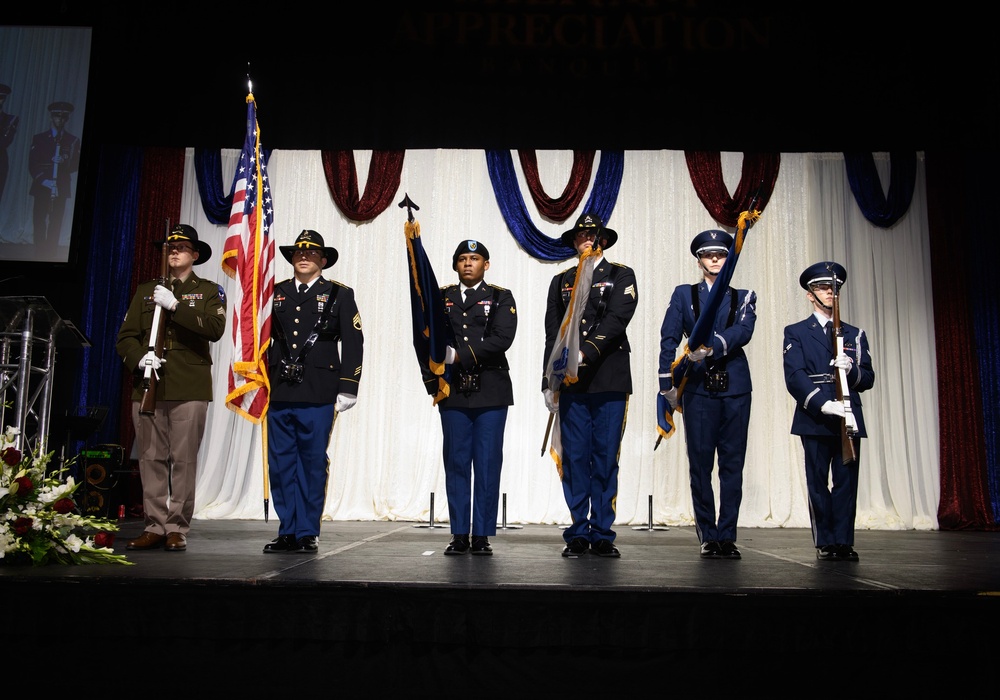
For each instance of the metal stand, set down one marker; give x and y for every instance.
(649, 523)
(431, 523)
(27, 324)
(503, 522)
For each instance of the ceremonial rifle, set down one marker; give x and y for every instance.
(848, 425)
(156, 336)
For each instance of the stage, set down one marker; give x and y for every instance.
(380, 609)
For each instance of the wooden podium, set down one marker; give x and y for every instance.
(30, 333)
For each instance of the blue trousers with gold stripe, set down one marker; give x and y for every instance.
(591, 428)
(473, 459)
(298, 465)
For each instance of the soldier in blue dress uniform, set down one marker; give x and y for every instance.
(592, 410)
(314, 362)
(483, 321)
(715, 402)
(812, 365)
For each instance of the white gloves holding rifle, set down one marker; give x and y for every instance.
(833, 408)
(843, 362)
(151, 360)
(164, 297)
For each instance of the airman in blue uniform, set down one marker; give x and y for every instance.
(715, 402)
(812, 366)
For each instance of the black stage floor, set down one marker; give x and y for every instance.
(380, 609)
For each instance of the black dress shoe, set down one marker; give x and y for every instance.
(847, 553)
(481, 545)
(828, 552)
(576, 547)
(308, 544)
(459, 545)
(605, 548)
(729, 549)
(711, 549)
(282, 544)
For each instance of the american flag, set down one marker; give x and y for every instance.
(249, 257)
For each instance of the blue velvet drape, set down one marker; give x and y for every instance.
(110, 257)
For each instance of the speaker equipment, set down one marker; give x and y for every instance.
(102, 465)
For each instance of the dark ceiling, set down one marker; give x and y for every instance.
(629, 74)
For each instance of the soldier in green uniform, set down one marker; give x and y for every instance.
(169, 438)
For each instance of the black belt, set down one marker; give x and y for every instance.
(822, 378)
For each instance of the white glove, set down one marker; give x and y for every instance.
(843, 362)
(345, 402)
(833, 408)
(700, 354)
(150, 359)
(551, 400)
(671, 396)
(450, 355)
(164, 297)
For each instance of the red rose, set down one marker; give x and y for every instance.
(63, 506)
(104, 539)
(24, 485)
(22, 525)
(12, 456)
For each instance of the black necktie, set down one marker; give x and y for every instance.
(302, 288)
(828, 328)
(468, 294)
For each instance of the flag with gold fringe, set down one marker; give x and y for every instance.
(430, 325)
(249, 257)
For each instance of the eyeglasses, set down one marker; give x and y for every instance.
(584, 235)
(179, 248)
(714, 254)
(307, 254)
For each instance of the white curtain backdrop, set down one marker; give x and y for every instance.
(385, 453)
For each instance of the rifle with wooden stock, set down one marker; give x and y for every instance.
(848, 425)
(157, 331)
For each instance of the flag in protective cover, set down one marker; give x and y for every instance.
(563, 364)
(249, 258)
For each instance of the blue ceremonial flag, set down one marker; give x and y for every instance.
(703, 326)
(430, 325)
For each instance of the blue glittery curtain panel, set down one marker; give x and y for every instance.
(867, 186)
(110, 258)
(603, 198)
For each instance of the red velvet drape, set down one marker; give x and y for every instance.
(964, 502)
(384, 174)
(159, 206)
(560, 208)
(760, 171)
